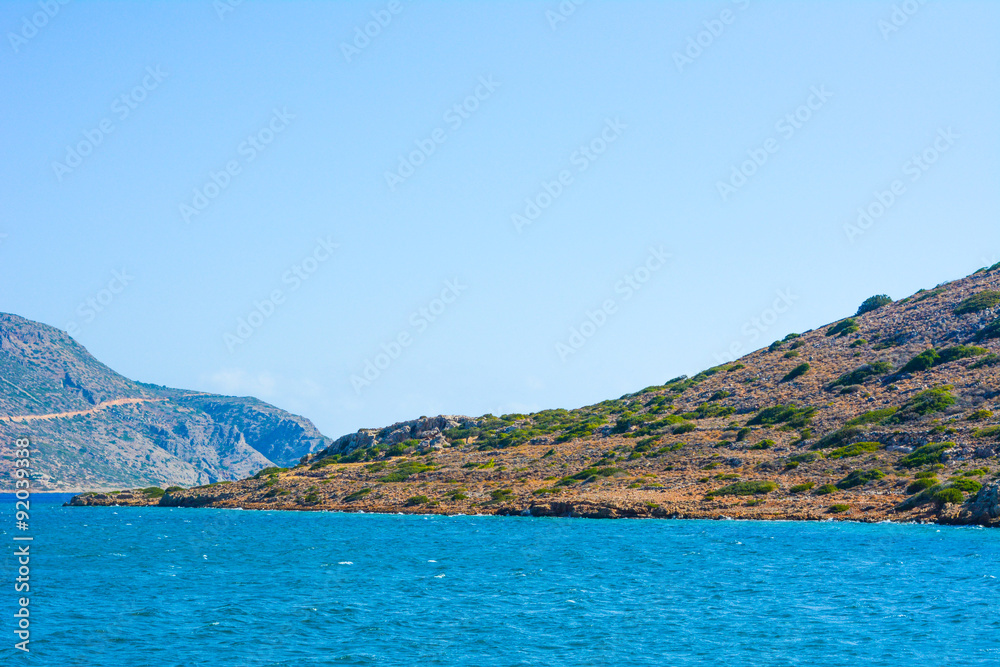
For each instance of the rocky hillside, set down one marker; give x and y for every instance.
(95, 429)
(892, 413)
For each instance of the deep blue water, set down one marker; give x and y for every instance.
(151, 586)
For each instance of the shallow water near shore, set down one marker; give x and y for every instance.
(160, 586)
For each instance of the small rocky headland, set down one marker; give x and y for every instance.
(891, 414)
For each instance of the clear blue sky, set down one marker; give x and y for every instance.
(659, 132)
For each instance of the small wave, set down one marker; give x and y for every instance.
(346, 562)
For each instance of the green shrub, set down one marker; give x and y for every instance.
(857, 449)
(988, 432)
(990, 331)
(874, 303)
(966, 485)
(776, 345)
(988, 361)
(743, 489)
(921, 484)
(839, 508)
(930, 453)
(416, 500)
(826, 490)
(982, 301)
(743, 433)
(171, 489)
(763, 444)
(153, 492)
(357, 495)
(859, 343)
(842, 328)
(266, 472)
(873, 416)
(861, 374)
(791, 354)
(957, 352)
(798, 371)
(928, 474)
(979, 415)
(925, 403)
(949, 496)
(501, 495)
(800, 488)
(838, 438)
(791, 415)
(807, 457)
(922, 362)
(684, 428)
(719, 395)
(859, 477)
(549, 453)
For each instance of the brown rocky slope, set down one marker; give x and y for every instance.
(891, 414)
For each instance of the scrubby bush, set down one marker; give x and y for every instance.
(501, 495)
(790, 414)
(687, 427)
(171, 489)
(796, 372)
(801, 488)
(982, 301)
(153, 492)
(873, 416)
(743, 433)
(844, 327)
(922, 362)
(859, 477)
(763, 444)
(949, 496)
(791, 354)
(990, 331)
(930, 453)
(857, 449)
(838, 438)
(719, 395)
(839, 508)
(874, 303)
(357, 495)
(925, 403)
(988, 432)
(921, 484)
(412, 501)
(966, 485)
(861, 374)
(826, 490)
(743, 489)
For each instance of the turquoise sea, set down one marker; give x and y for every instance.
(164, 587)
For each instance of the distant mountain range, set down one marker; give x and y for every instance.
(93, 428)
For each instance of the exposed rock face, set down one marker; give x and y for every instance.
(426, 429)
(983, 510)
(92, 428)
